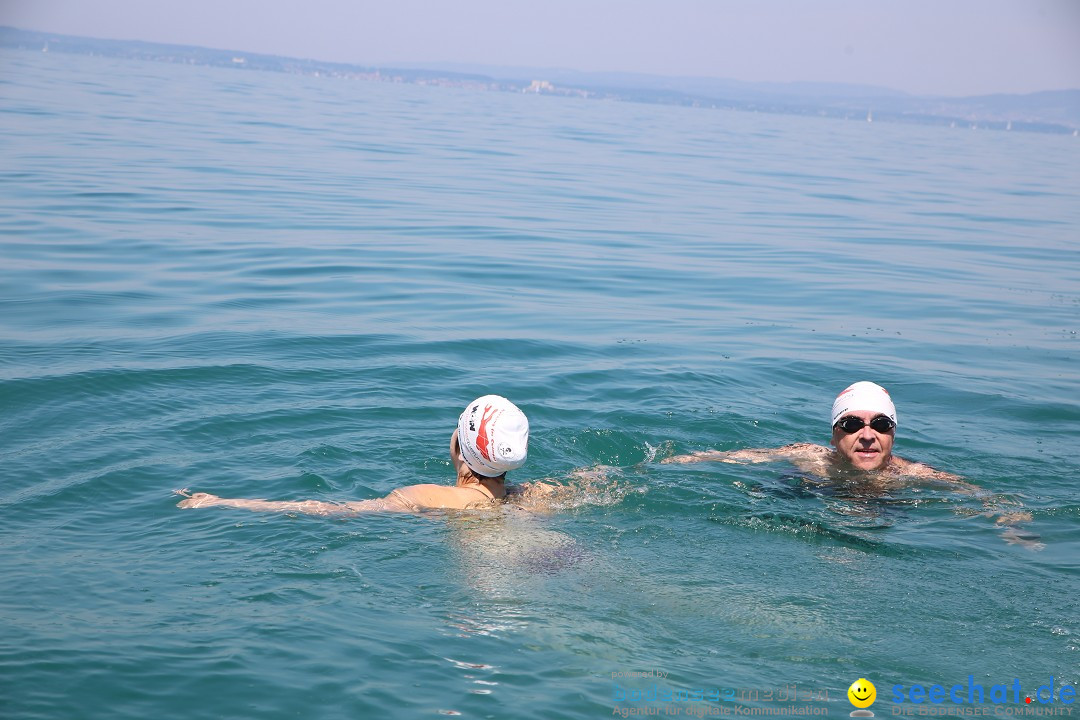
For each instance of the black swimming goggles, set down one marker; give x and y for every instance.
(852, 424)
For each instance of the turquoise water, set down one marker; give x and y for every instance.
(263, 285)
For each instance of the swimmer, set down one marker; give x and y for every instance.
(863, 431)
(492, 438)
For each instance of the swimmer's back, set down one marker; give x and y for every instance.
(420, 497)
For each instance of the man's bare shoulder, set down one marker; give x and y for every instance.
(922, 471)
(795, 451)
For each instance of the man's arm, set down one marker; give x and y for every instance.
(796, 451)
(1004, 511)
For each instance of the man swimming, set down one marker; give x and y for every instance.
(863, 431)
(492, 438)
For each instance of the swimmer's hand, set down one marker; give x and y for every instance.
(1026, 540)
(196, 500)
(1017, 536)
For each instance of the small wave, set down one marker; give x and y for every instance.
(804, 527)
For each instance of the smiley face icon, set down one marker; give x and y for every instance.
(862, 693)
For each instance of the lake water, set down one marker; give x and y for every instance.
(263, 285)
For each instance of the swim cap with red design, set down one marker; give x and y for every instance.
(493, 435)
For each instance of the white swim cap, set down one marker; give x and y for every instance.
(863, 396)
(493, 436)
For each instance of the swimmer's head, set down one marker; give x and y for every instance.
(492, 436)
(863, 396)
(864, 419)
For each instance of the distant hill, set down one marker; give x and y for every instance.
(705, 87)
(1051, 111)
(1054, 111)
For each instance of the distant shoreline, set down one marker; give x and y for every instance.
(1055, 112)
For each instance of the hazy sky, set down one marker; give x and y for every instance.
(947, 47)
